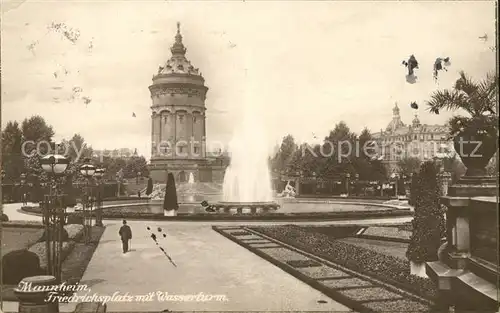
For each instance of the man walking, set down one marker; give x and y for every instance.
(125, 234)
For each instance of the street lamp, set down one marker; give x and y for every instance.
(357, 184)
(3, 176)
(99, 173)
(54, 213)
(87, 170)
(22, 187)
(347, 176)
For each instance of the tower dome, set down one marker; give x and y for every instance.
(178, 63)
(396, 120)
(416, 122)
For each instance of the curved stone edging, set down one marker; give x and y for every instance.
(302, 216)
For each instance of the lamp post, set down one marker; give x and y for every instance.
(54, 213)
(99, 173)
(357, 184)
(3, 176)
(22, 179)
(347, 176)
(87, 170)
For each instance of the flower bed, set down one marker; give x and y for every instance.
(385, 268)
(303, 263)
(387, 232)
(75, 231)
(41, 251)
(240, 233)
(334, 231)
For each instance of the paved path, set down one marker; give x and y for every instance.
(13, 211)
(207, 263)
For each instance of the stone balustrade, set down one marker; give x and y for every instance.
(468, 269)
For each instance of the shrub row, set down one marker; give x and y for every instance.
(23, 224)
(344, 198)
(40, 250)
(389, 269)
(115, 213)
(71, 232)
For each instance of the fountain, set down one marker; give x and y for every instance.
(247, 181)
(190, 192)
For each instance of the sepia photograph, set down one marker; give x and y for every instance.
(249, 156)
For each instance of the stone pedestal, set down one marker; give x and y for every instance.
(33, 301)
(170, 212)
(467, 273)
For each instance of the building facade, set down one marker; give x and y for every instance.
(418, 140)
(178, 121)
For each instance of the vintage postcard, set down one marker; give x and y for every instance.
(249, 156)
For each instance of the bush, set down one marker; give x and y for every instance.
(390, 269)
(5, 218)
(413, 189)
(19, 264)
(40, 250)
(428, 223)
(170, 201)
(149, 189)
(65, 236)
(75, 231)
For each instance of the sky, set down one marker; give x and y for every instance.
(299, 67)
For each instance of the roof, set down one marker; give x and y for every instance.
(178, 63)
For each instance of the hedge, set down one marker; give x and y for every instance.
(391, 270)
(41, 251)
(5, 218)
(23, 224)
(65, 236)
(19, 264)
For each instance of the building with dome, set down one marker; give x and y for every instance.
(422, 141)
(178, 122)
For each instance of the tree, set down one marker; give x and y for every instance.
(284, 155)
(37, 137)
(134, 165)
(170, 201)
(339, 149)
(428, 222)
(36, 129)
(149, 188)
(479, 100)
(12, 158)
(78, 150)
(408, 165)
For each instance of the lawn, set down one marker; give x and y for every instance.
(74, 265)
(390, 248)
(17, 238)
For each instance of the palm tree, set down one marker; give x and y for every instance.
(478, 99)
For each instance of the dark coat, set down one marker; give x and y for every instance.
(125, 232)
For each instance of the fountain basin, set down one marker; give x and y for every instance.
(261, 206)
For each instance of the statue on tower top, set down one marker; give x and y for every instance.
(178, 47)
